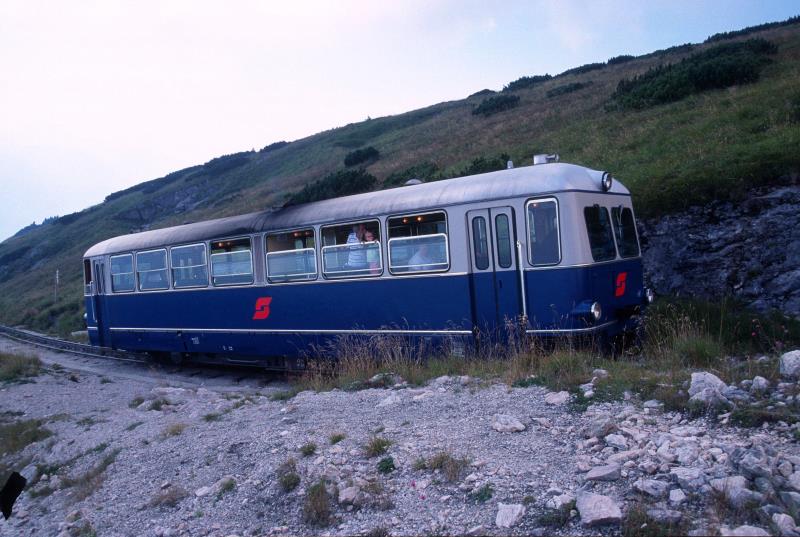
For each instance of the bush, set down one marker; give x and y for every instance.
(427, 171)
(225, 163)
(386, 465)
(341, 183)
(317, 507)
(288, 478)
(377, 446)
(526, 82)
(583, 69)
(15, 367)
(718, 67)
(567, 88)
(623, 58)
(750, 29)
(308, 449)
(496, 104)
(482, 93)
(361, 155)
(485, 165)
(274, 146)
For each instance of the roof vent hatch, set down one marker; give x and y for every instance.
(545, 159)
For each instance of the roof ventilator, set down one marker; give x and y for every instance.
(545, 159)
(510, 165)
(412, 182)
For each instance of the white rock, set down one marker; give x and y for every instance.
(677, 496)
(393, 399)
(542, 422)
(600, 373)
(506, 424)
(203, 491)
(556, 398)
(596, 509)
(651, 487)
(509, 515)
(617, 440)
(624, 456)
(348, 495)
(785, 525)
(790, 364)
(688, 478)
(794, 481)
(703, 380)
(561, 502)
(726, 484)
(423, 396)
(743, 531)
(760, 385)
(609, 472)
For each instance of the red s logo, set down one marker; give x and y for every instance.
(620, 288)
(262, 308)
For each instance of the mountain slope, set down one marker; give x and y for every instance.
(708, 145)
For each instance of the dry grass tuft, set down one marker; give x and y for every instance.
(451, 467)
(174, 430)
(170, 497)
(288, 478)
(317, 505)
(377, 445)
(17, 367)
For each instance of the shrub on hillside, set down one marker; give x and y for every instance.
(361, 155)
(274, 146)
(341, 183)
(583, 69)
(485, 165)
(225, 163)
(623, 58)
(751, 29)
(482, 93)
(526, 82)
(426, 171)
(567, 88)
(718, 67)
(493, 105)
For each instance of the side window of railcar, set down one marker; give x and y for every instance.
(231, 262)
(601, 238)
(189, 268)
(503, 236)
(291, 256)
(418, 243)
(544, 245)
(481, 243)
(352, 250)
(151, 270)
(625, 231)
(87, 277)
(122, 280)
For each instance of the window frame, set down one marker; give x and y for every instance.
(207, 265)
(475, 257)
(622, 208)
(446, 238)
(510, 242)
(252, 264)
(267, 253)
(528, 231)
(166, 269)
(112, 274)
(611, 228)
(321, 266)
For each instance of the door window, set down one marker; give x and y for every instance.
(503, 236)
(480, 243)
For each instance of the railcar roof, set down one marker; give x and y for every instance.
(517, 182)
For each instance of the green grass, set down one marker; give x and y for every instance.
(386, 465)
(377, 445)
(287, 475)
(17, 435)
(308, 449)
(710, 145)
(335, 438)
(317, 505)
(18, 367)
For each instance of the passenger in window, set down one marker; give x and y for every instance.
(422, 259)
(357, 257)
(373, 256)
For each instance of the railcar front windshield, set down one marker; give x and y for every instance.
(601, 238)
(544, 242)
(625, 231)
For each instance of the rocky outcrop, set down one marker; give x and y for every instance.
(749, 250)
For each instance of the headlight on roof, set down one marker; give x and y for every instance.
(606, 181)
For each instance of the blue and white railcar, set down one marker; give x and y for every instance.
(551, 248)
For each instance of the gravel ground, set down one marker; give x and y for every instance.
(205, 460)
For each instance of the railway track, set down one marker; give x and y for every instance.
(56, 344)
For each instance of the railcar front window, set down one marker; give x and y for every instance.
(122, 277)
(291, 256)
(625, 231)
(87, 277)
(231, 262)
(544, 244)
(418, 243)
(601, 238)
(151, 270)
(352, 250)
(503, 235)
(481, 243)
(189, 268)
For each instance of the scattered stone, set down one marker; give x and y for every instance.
(348, 495)
(688, 478)
(596, 509)
(759, 385)
(542, 422)
(677, 496)
(556, 398)
(203, 491)
(617, 441)
(562, 502)
(651, 487)
(392, 399)
(509, 515)
(790, 364)
(506, 424)
(653, 406)
(743, 531)
(785, 525)
(609, 472)
(705, 381)
(666, 517)
(600, 427)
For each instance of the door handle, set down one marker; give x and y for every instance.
(500, 283)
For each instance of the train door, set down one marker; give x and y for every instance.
(495, 282)
(97, 301)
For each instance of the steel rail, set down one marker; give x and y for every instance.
(73, 347)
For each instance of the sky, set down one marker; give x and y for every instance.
(97, 96)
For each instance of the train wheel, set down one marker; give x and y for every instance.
(176, 358)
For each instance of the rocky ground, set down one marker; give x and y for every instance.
(136, 456)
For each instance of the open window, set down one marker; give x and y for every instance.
(544, 245)
(87, 277)
(231, 262)
(352, 250)
(122, 277)
(601, 238)
(291, 256)
(625, 231)
(418, 243)
(151, 270)
(189, 267)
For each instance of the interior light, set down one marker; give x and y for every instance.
(419, 219)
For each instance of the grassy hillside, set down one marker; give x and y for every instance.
(706, 145)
